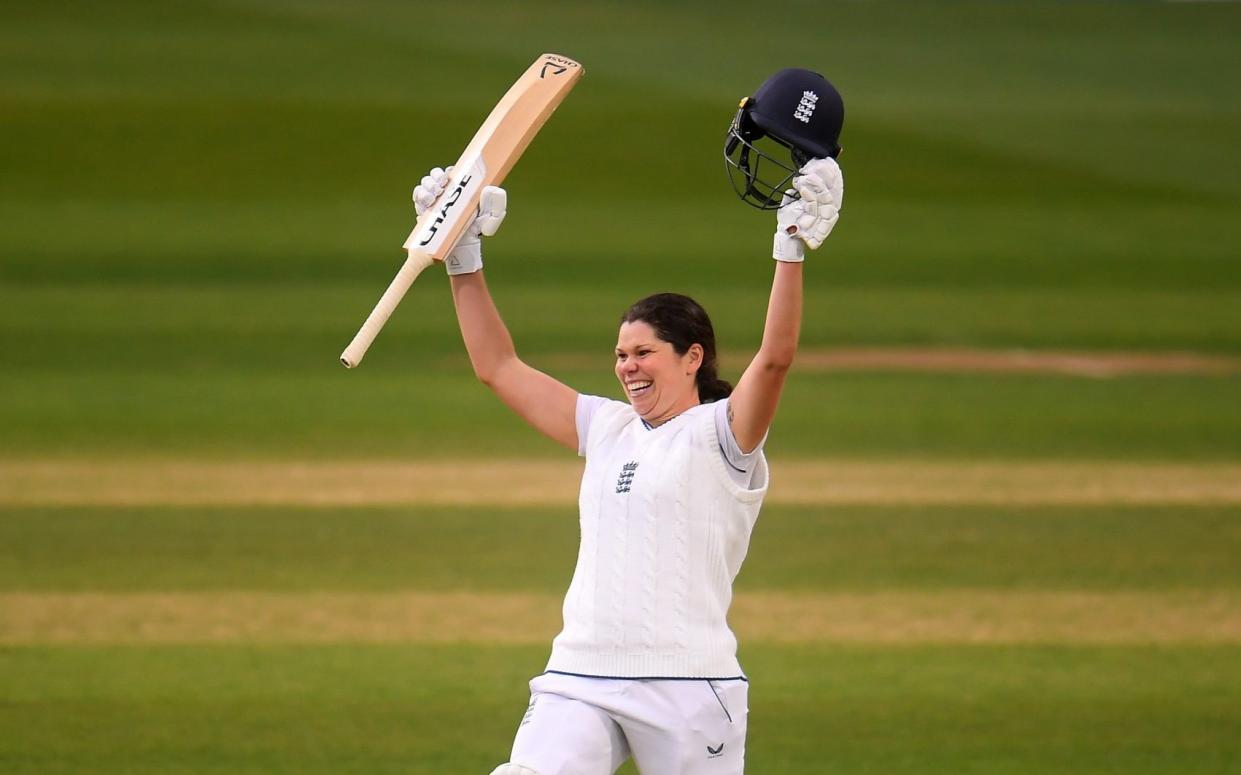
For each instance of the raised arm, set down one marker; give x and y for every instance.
(752, 405)
(548, 405)
(801, 223)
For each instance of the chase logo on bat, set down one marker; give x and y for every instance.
(452, 200)
(558, 65)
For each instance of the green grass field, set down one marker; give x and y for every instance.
(201, 200)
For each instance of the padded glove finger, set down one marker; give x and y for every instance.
(429, 188)
(828, 171)
(492, 207)
(821, 187)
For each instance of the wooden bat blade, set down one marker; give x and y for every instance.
(486, 161)
(496, 147)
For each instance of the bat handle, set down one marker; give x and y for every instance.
(413, 267)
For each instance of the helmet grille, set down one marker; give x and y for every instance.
(754, 168)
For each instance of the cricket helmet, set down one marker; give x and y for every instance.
(795, 108)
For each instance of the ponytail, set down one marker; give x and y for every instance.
(713, 389)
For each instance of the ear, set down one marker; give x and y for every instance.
(693, 358)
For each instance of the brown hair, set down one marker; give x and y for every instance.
(682, 322)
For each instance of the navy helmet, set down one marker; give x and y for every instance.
(797, 109)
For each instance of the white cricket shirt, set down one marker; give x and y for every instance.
(666, 515)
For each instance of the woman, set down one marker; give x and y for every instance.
(646, 665)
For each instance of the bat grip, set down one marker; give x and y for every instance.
(412, 267)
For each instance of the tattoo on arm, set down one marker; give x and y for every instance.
(730, 413)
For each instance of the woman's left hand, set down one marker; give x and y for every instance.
(808, 219)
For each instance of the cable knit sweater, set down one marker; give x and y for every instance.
(664, 530)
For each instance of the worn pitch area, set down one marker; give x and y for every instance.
(965, 617)
(503, 483)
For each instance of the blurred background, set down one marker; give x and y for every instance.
(1003, 529)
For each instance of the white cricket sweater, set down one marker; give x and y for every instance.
(664, 529)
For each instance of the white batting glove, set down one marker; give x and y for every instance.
(467, 256)
(808, 220)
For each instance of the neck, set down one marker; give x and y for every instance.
(675, 411)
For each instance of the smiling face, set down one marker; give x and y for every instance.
(658, 381)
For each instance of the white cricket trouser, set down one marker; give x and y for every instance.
(577, 725)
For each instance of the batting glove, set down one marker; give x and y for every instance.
(808, 219)
(467, 256)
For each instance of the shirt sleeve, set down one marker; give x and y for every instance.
(741, 462)
(586, 408)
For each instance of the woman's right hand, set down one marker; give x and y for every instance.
(467, 256)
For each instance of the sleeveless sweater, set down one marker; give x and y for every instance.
(664, 530)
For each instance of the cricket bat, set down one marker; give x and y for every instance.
(499, 142)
